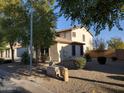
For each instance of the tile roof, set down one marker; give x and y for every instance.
(70, 29)
(66, 41)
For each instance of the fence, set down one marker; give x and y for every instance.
(119, 53)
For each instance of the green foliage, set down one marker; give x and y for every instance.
(80, 62)
(88, 57)
(4, 3)
(2, 42)
(44, 26)
(25, 58)
(93, 13)
(115, 43)
(1, 60)
(13, 21)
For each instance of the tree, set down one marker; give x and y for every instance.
(115, 43)
(2, 42)
(13, 22)
(93, 13)
(44, 26)
(99, 44)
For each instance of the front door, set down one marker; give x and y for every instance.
(73, 50)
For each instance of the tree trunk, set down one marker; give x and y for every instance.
(12, 52)
(37, 55)
(42, 55)
(36, 60)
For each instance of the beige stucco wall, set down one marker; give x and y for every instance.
(79, 37)
(66, 35)
(65, 51)
(53, 53)
(5, 55)
(8, 55)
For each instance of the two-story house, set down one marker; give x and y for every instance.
(69, 43)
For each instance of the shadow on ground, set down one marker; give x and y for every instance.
(112, 90)
(16, 90)
(121, 78)
(17, 71)
(96, 81)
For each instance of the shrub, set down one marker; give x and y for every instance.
(4, 61)
(8, 61)
(25, 58)
(114, 58)
(102, 60)
(88, 57)
(80, 62)
(1, 60)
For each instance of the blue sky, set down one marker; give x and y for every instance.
(62, 23)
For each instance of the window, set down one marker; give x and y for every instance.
(20, 51)
(73, 34)
(9, 53)
(6, 53)
(1, 54)
(64, 35)
(81, 50)
(73, 50)
(83, 37)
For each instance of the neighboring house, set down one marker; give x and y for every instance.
(69, 43)
(18, 51)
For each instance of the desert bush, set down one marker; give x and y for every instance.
(88, 57)
(25, 58)
(80, 62)
(101, 60)
(114, 58)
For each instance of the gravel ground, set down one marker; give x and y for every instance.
(94, 78)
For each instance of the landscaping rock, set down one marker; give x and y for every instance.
(53, 71)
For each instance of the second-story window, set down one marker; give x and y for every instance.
(83, 37)
(73, 34)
